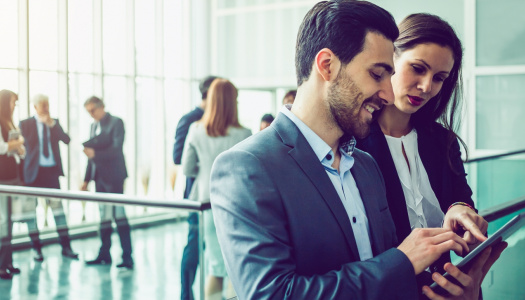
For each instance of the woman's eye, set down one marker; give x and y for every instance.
(418, 69)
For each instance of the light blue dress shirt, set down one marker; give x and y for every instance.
(44, 161)
(343, 181)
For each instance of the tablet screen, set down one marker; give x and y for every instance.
(500, 235)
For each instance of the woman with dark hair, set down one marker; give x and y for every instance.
(11, 151)
(216, 132)
(414, 141)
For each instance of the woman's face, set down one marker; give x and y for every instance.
(419, 76)
(13, 103)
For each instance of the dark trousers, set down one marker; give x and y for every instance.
(6, 250)
(47, 177)
(117, 213)
(190, 258)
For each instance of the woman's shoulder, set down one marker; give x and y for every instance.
(433, 128)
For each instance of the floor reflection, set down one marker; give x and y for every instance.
(157, 253)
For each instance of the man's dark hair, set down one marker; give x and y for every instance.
(204, 85)
(268, 118)
(95, 100)
(340, 26)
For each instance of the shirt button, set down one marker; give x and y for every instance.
(354, 219)
(328, 156)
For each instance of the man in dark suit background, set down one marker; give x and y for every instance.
(43, 167)
(190, 256)
(300, 212)
(106, 166)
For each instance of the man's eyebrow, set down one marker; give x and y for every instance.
(385, 66)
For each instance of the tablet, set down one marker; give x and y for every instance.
(500, 235)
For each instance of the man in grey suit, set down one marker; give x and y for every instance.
(107, 167)
(302, 214)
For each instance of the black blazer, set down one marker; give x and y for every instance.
(109, 157)
(180, 138)
(29, 131)
(449, 186)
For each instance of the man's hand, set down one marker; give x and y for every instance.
(46, 119)
(90, 152)
(84, 186)
(425, 245)
(471, 282)
(466, 223)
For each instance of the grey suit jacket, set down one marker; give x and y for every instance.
(109, 155)
(200, 151)
(283, 229)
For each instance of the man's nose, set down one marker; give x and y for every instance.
(386, 93)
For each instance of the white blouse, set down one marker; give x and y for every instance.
(422, 205)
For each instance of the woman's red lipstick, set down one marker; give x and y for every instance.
(416, 101)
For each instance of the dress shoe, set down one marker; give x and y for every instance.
(126, 264)
(99, 261)
(13, 270)
(38, 255)
(5, 275)
(68, 252)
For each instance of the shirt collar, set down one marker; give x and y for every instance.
(320, 147)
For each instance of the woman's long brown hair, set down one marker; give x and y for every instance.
(221, 108)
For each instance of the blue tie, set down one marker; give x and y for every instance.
(46, 142)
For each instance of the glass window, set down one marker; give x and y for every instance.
(9, 38)
(499, 119)
(148, 139)
(43, 35)
(500, 37)
(252, 105)
(174, 33)
(145, 37)
(267, 54)
(115, 31)
(45, 83)
(80, 35)
(80, 89)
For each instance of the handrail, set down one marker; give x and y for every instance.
(503, 209)
(489, 157)
(104, 197)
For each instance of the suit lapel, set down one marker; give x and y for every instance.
(306, 159)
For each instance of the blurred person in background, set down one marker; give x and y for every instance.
(266, 121)
(11, 151)
(43, 167)
(190, 255)
(216, 132)
(289, 97)
(106, 166)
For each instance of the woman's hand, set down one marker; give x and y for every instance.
(15, 145)
(466, 223)
(470, 282)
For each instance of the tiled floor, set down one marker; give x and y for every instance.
(157, 253)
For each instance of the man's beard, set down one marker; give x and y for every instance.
(345, 100)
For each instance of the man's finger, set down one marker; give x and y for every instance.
(450, 236)
(447, 285)
(464, 279)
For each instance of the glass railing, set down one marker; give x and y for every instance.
(158, 235)
(498, 185)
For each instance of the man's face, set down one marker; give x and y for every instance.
(96, 112)
(363, 86)
(42, 108)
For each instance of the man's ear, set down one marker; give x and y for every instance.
(327, 64)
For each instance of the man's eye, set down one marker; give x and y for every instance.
(375, 76)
